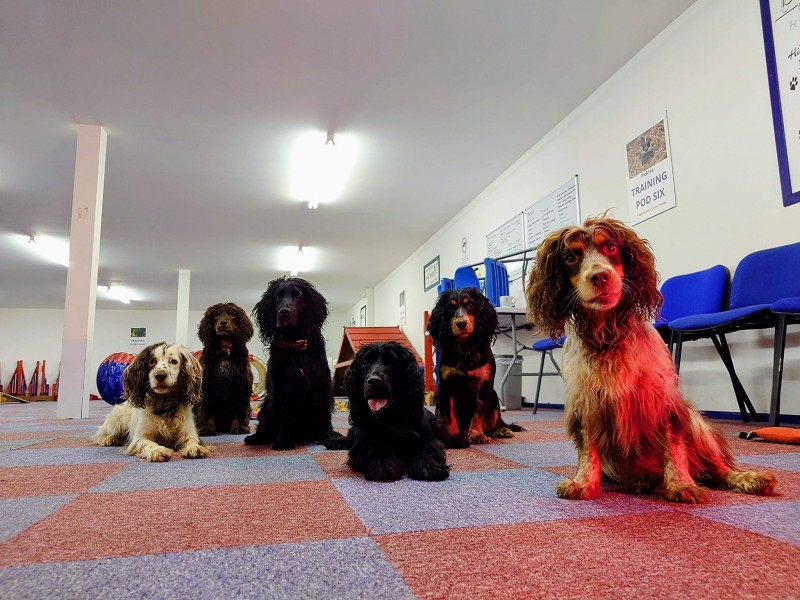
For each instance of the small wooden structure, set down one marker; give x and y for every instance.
(354, 338)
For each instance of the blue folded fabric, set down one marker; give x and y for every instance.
(548, 344)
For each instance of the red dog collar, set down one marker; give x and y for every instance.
(298, 345)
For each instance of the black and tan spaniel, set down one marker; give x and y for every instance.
(161, 387)
(391, 432)
(224, 332)
(624, 411)
(462, 326)
(299, 402)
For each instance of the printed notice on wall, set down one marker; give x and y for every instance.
(506, 239)
(138, 339)
(557, 209)
(785, 17)
(650, 187)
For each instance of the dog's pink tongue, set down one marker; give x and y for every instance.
(375, 404)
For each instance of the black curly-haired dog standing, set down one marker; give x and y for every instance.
(391, 432)
(299, 402)
(224, 332)
(462, 326)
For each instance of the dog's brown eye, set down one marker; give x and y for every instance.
(570, 259)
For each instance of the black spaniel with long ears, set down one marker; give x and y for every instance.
(462, 326)
(391, 432)
(299, 402)
(224, 332)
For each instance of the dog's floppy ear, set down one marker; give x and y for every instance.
(136, 377)
(485, 318)
(244, 326)
(639, 264)
(354, 383)
(315, 310)
(265, 313)
(412, 378)
(549, 289)
(439, 322)
(190, 379)
(205, 330)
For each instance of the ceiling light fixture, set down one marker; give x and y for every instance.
(295, 259)
(118, 293)
(50, 248)
(319, 171)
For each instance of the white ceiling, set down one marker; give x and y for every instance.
(202, 101)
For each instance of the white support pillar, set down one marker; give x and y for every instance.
(84, 245)
(182, 327)
(369, 294)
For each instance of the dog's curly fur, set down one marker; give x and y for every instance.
(391, 432)
(161, 386)
(462, 326)
(224, 332)
(299, 401)
(624, 410)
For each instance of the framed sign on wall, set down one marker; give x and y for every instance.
(780, 20)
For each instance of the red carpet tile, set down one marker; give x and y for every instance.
(25, 435)
(239, 450)
(158, 521)
(472, 459)
(64, 442)
(54, 480)
(741, 447)
(668, 554)
(335, 464)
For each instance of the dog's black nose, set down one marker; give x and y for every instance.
(283, 311)
(373, 380)
(599, 278)
(461, 324)
(161, 377)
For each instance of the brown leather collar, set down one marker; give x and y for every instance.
(297, 345)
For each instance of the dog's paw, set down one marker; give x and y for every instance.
(342, 443)
(104, 440)
(572, 490)
(752, 482)
(503, 432)
(157, 454)
(428, 470)
(479, 438)
(256, 440)
(240, 429)
(687, 493)
(390, 469)
(195, 451)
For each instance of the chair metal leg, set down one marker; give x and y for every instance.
(721, 344)
(678, 347)
(777, 371)
(539, 383)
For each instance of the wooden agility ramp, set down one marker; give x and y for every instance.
(354, 338)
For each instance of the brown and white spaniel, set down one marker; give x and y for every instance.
(624, 410)
(161, 387)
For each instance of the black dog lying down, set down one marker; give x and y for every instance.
(391, 432)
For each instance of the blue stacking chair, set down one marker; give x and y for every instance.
(495, 280)
(466, 277)
(786, 311)
(762, 278)
(546, 347)
(694, 293)
(445, 283)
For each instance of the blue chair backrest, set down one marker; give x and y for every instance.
(766, 276)
(465, 277)
(445, 284)
(695, 293)
(496, 280)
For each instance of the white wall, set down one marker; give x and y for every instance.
(35, 334)
(708, 71)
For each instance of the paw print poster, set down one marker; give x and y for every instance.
(650, 187)
(781, 19)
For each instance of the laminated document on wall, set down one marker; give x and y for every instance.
(505, 240)
(557, 209)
